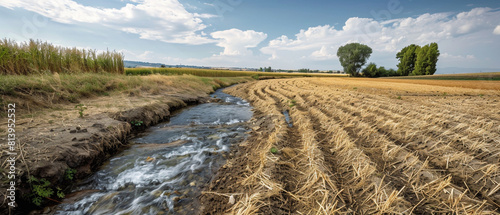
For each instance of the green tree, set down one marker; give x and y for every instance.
(421, 62)
(407, 58)
(391, 72)
(304, 70)
(432, 58)
(371, 70)
(416, 60)
(353, 56)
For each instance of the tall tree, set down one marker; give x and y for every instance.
(407, 58)
(353, 56)
(422, 61)
(432, 58)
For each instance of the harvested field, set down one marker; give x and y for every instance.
(364, 146)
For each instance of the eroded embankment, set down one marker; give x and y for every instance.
(83, 145)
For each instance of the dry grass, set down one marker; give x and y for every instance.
(360, 149)
(51, 98)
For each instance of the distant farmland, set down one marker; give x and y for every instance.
(219, 73)
(488, 76)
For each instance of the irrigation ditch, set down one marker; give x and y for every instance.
(88, 146)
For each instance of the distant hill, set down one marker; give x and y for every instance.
(134, 64)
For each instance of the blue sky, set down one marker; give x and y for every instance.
(286, 34)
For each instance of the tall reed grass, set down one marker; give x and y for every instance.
(35, 57)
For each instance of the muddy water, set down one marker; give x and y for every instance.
(163, 170)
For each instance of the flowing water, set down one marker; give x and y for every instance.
(161, 173)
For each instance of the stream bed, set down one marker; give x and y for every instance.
(166, 166)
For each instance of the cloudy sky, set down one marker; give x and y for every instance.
(286, 34)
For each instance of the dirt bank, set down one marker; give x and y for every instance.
(60, 147)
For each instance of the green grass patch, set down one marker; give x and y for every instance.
(489, 76)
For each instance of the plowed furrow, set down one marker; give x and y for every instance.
(367, 138)
(478, 148)
(481, 177)
(406, 170)
(377, 195)
(316, 188)
(362, 151)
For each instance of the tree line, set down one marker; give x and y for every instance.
(413, 60)
(416, 60)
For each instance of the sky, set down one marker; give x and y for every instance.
(283, 34)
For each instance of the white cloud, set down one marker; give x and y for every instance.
(321, 42)
(325, 53)
(497, 30)
(464, 40)
(457, 57)
(163, 20)
(237, 42)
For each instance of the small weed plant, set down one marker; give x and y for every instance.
(70, 174)
(274, 150)
(81, 108)
(41, 189)
(137, 123)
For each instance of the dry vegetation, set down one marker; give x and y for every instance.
(369, 147)
(41, 99)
